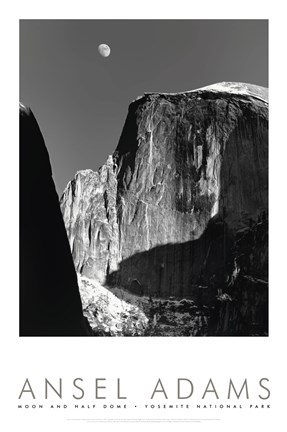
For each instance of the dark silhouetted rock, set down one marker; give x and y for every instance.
(50, 303)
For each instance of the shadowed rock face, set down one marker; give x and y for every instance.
(190, 170)
(50, 303)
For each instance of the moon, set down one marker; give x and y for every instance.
(104, 50)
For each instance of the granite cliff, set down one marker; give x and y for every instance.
(162, 217)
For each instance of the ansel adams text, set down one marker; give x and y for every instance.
(184, 388)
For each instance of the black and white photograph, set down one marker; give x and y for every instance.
(143, 203)
(144, 177)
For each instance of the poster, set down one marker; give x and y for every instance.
(147, 380)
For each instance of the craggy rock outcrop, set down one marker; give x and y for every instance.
(90, 215)
(50, 303)
(161, 216)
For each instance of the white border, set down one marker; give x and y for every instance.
(136, 359)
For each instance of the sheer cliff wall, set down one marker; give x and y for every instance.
(161, 216)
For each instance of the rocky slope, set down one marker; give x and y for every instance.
(161, 216)
(109, 315)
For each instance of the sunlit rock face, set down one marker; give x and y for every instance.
(189, 171)
(90, 214)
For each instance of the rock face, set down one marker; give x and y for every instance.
(50, 303)
(90, 213)
(242, 306)
(189, 172)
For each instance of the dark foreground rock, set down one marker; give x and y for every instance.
(50, 303)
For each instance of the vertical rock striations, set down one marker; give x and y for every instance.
(190, 170)
(90, 215)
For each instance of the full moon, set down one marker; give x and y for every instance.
(104, 50)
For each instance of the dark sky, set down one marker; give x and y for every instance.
(80, 99)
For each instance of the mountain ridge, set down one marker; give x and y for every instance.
(229, 87)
